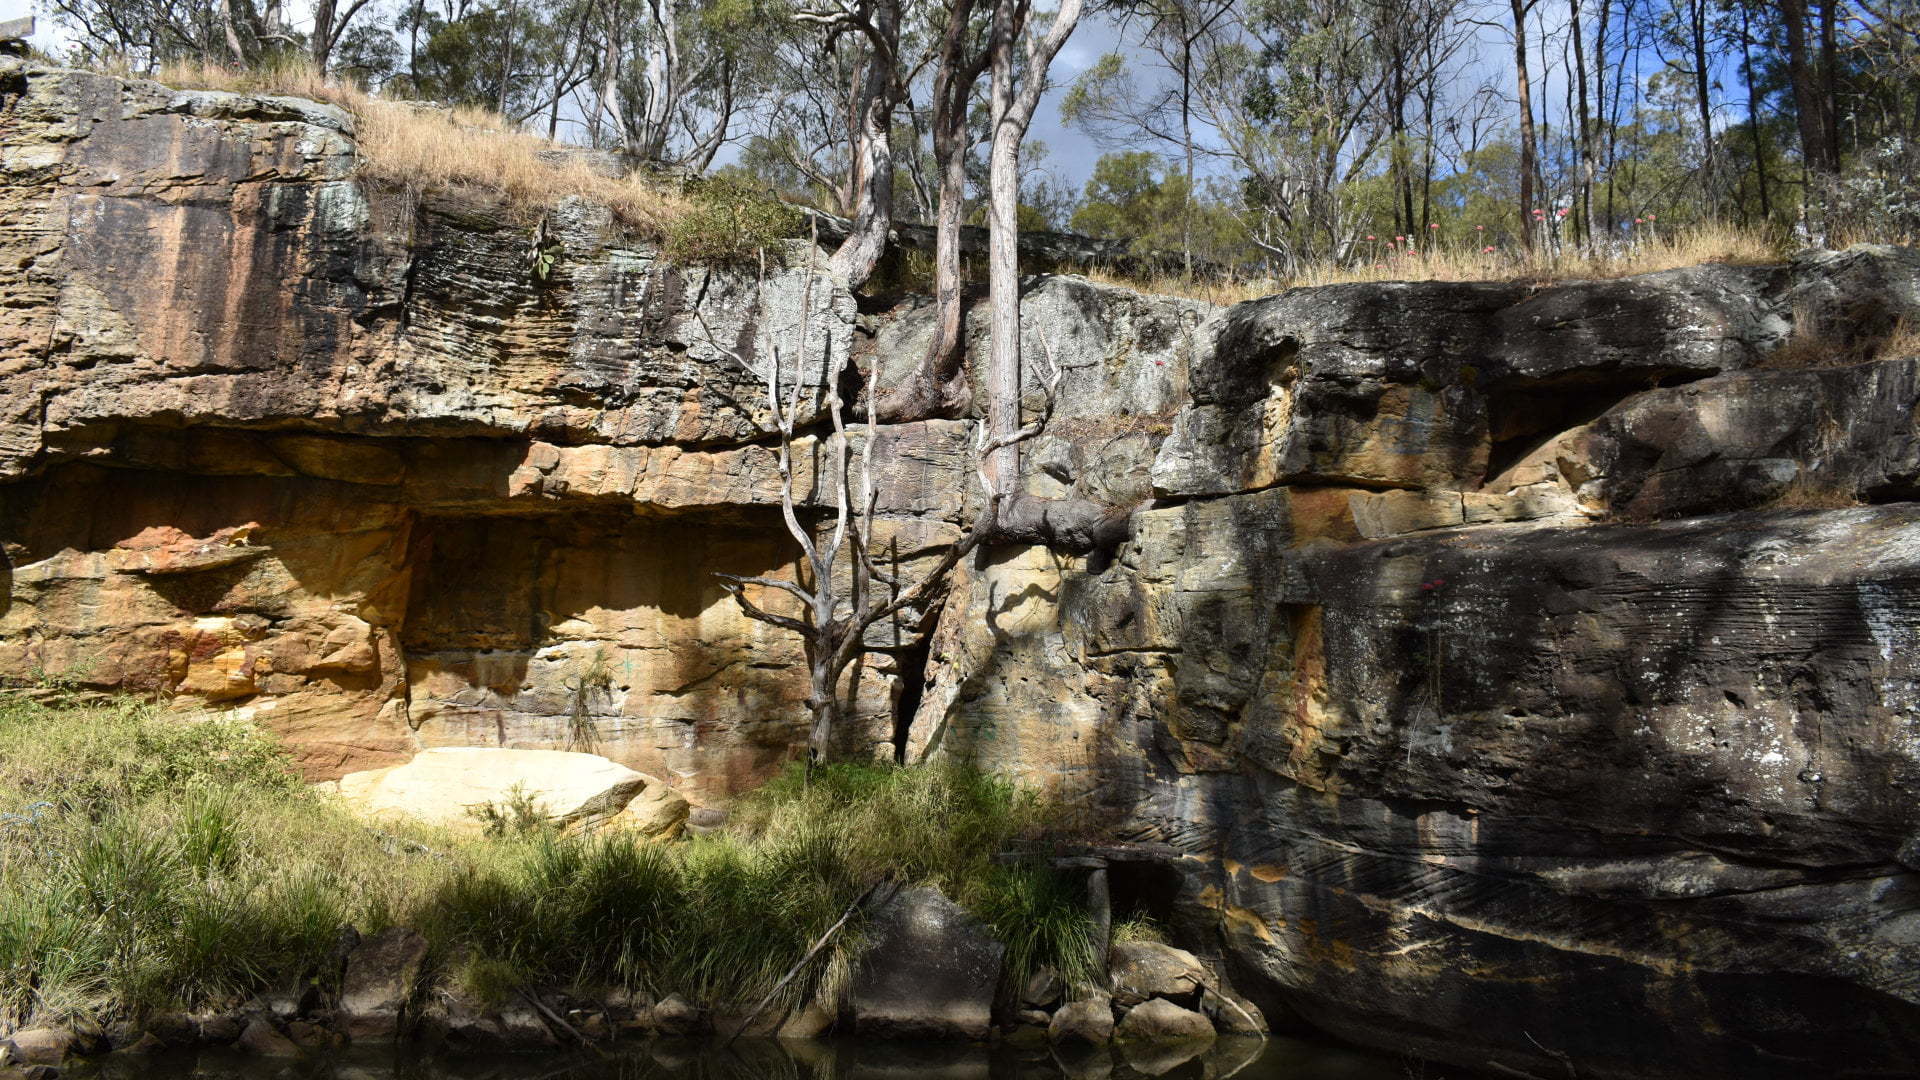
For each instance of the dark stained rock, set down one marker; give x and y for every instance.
(262, 1038)
(929, 971)
(1160, 1020)
(382, 975)
(1440, 788)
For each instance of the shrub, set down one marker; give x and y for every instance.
(730, 221)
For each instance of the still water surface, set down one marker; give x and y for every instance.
(1243, 1058)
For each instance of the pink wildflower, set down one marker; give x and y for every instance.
(1488, 250)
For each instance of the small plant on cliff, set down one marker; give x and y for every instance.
(730, 221)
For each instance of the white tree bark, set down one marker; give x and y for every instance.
(1012, 112)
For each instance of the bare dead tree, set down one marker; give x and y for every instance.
(843, 591)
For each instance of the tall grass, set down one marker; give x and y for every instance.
(1443, 261)
(149, 862)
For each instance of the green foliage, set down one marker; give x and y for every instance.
(733, 221)
(723, 917)
(519, 814)
(150, 862)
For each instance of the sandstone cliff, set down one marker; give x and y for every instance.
(1525, 674)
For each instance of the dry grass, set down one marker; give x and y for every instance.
(1903, 343)
(424, 147)
(1810, 349)
(1685, 247)
(1220, 292)
(1814, 493)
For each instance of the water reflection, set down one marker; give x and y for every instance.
(754, 1059)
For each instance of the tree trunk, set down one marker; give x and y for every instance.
(1703, 84)
(1525, 86)
(662, 75)
(1808, 114)
(320, 45)
(1753, 114)
(506, 60)
(1003, 250)
(938, 388)
(1829, 89)
(1186, 139)
(866, 242)
(1584, 227)
(1012, 112)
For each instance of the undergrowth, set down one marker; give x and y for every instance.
(152, 862)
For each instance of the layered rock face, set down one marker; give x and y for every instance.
(335, 455)
(1525, 674)
(1528, 675)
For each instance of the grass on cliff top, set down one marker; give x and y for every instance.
(151, 862)
(422, 147)
(1689, 246)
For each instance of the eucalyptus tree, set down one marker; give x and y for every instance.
(1295, 110)
(1110, 102)
(150, 33)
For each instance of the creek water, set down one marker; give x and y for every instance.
(1242, 1057)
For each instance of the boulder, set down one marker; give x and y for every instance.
(450, 785)
(1082, 1021)
(260, 1037)
(146, 1043)
(810, 1021)
(43, 1045)
(311, 1036)
(706, 821)
(929, 972)
(175, 1029)
(1232, 1014)
(1160, 1020)
(382, 974)
(218, 1028)
(657, 813)
(1042, 989)
(675, 1015)
(1148, 969)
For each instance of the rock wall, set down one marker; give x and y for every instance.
(331, 453)
(1525, 675)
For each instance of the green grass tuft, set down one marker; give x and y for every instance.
(149, 862)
